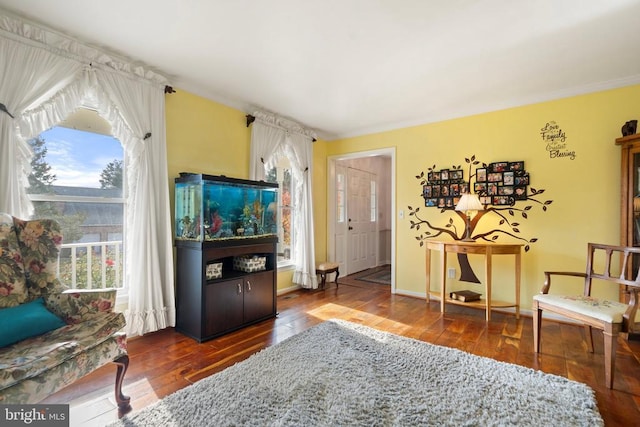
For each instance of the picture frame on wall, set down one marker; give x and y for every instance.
(456, 175)
(516, 166)
(444, 187)
(520, 193)
(480, 187)
(494, 177)
(499, 166)
(499, 183)
(505, 190)
(502, 200)
(508, 178)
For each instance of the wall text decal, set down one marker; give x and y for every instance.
(556, 141)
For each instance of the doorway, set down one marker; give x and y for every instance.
(371, 240)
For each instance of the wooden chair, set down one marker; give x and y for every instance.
(611, 317)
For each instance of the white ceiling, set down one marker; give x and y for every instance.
(351, 67)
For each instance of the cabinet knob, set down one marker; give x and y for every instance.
(248, 286)
(239, 288)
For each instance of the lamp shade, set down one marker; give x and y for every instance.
(469, 202)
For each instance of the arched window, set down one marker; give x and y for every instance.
(46, 78)
(77, 178)
(275, 139)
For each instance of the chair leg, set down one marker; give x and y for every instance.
(123, 401)
(589, 336)
(537, 320)
(610, 346)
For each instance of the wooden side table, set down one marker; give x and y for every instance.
(486, 249)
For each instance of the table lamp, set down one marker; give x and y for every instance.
(469, 204)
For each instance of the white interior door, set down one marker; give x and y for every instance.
(385, 204)
(361, 221)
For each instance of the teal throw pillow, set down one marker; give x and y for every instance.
(25, 321)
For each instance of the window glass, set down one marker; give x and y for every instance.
(281, 174)
(374, 202)
(340, 205)
(77, 180)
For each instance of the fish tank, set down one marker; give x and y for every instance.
(214, 208)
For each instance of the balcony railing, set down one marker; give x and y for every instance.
(93, 265)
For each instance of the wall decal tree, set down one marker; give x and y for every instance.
(506, 215)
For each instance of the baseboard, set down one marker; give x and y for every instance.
(287, 290)
(420, 295)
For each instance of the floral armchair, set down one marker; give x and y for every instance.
(50, 336)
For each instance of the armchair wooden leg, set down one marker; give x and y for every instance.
(123, 401)
(537, 319)
(610, 334)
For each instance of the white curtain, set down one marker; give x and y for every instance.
(274, 137)
(46, 77)
(27, 75)
(148, 233)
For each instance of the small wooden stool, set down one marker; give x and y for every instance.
(325, 268)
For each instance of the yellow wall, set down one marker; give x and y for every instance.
(203, 136)
(585, 191)
(206, 137)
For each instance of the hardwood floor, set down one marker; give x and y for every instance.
(165, 361)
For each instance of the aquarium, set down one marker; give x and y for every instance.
(213, 208)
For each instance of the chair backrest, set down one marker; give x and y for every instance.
(629, 273)
(629, 277)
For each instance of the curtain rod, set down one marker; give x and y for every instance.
(251, 119)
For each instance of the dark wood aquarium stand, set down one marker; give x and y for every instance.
(208, 308)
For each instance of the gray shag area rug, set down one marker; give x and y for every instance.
(344, 374)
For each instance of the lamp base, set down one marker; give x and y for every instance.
(467, 239)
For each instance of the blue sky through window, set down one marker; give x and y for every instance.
(77, 157)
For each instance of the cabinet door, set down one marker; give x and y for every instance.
(258, 296)
(223, 306)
